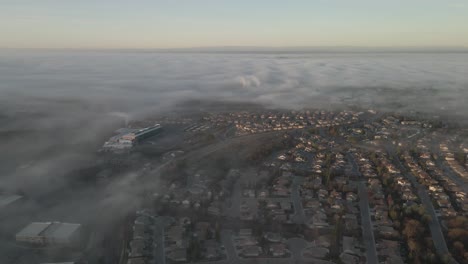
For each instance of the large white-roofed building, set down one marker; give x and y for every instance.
(33, 233)
(127, 138)
(50, 233)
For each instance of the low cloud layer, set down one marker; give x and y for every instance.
(130, 81)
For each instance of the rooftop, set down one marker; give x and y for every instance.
(33, 229)
(49, 229)
(61, 230)
(147, 129)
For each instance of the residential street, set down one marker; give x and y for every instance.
(299, 217)
(366, 222)
(434, 225)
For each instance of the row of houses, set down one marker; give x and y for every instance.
(248, 123)
(385, 232)
(248, 246)
(446, 193)
(451, 161)
(182, 234)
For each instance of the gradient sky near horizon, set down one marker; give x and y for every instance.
(211, 23)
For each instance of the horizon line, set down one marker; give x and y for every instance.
(344, 48)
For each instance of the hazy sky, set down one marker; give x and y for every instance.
(201, 23)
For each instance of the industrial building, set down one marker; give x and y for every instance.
(50, 233)
(147, 132)
(127, 139)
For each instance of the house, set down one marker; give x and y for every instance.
(349, 246)
(390, 250)
(214, 210)
(347, 258)
(135, 261)
(318, 220)
(322, 241)
(139, 249)
(212, 250)
(351, 223)
(351, 197)
(175, 235)
(315, 252)
(387, 231)
(245, 232)
(202, 230)
(273, 237)
(178, 255)
(246, 241)
(251, 251)
(278, 250)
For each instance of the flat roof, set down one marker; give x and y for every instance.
(147, 129)
(33, 229)
(49, 229)
(6, 199)
(63, 230)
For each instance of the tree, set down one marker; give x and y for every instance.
(457, 234)
(414, 248)
(458, 222)
(209, 234)
(459, 247)
(394, 215)
(412, 229)
(194, 250)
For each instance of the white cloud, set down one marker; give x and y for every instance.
(136, 80)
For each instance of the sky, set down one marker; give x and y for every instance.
(214, 23)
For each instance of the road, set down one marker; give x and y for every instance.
(159, 252)
(299, 217)
(434, 225)
(235, 201)
(366, 222)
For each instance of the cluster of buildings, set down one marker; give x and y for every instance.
(325, 192)
(187, 241)
(388, 238)
(313, 200)
(428, 179)
(127, 138)
(319, 185)
(452, 162)
(142, 246)
(197, 127)
(196, 193)
(276, 200)
(269, 245)
(259, 122)
(386, 128)
(447, 194)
